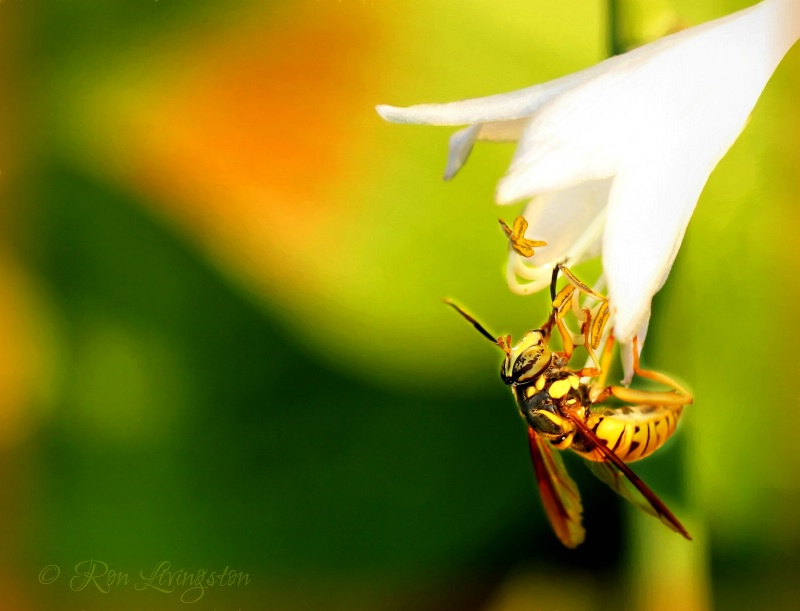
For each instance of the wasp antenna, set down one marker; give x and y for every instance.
(560, 266)
(475, 323)
(553, 282)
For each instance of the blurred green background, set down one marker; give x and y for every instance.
(223, 345)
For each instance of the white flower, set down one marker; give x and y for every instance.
(614, 157)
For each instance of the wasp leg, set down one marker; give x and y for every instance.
(563, 302)
(592, 330)
(602, 369)
(593, 321)
(679, 396)
(580, 285)
(567, 339)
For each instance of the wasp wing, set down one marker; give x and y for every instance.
(560, 496)
(621, 478)
(619, 482)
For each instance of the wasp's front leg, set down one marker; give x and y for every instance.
(593, 321)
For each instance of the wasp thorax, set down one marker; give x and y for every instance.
(542, 413)
(525, 361)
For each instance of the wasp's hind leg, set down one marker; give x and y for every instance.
(678, 397)
(605, 364)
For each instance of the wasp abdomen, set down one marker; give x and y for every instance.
(632, 432)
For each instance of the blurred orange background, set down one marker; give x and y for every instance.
(223, 345)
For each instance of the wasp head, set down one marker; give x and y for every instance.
(523, 362)
(528, 359)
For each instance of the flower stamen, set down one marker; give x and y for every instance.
(516, 236)
(539, 275)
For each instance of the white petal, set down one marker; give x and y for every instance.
(573, 139)
(499, 107)
(523, 102)
(627, 353)
(656, 120)
(691, 103)
(462, 141)
(503, 131)
(708, 77)
(648, 210)
(561, 218)
(460, 147)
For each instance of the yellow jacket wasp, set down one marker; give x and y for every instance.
(563, 410)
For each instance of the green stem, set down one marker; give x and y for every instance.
(614, 39)
(660, 559)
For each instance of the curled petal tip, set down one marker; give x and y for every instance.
(409, 115)
(387, 112)
(461, 144)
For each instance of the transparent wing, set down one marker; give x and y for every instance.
(619, 483)
(625, 482)
(560, 496)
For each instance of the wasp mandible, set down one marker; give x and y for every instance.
(563, 409)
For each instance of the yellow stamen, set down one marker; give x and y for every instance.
(521, 245)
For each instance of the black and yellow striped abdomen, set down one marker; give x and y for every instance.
(632, 431)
